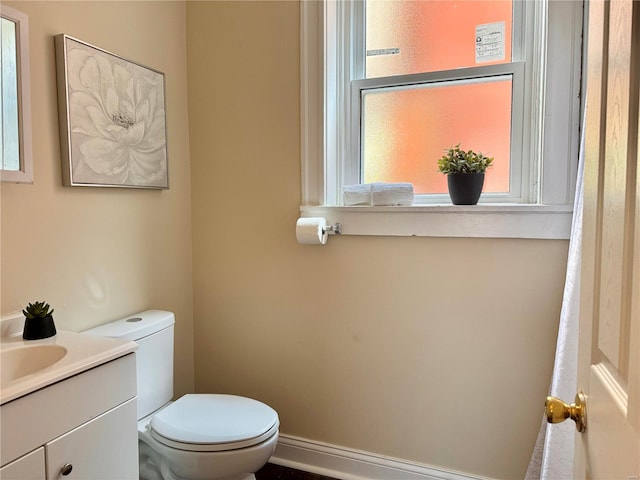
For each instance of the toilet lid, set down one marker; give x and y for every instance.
(208, 422)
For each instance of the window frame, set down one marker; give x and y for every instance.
(545, 212)
(25, 173)
(518, 172)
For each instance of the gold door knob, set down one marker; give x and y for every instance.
(558, 411)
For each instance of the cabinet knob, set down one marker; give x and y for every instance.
(66, 469)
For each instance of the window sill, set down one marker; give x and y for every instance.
(550, 222)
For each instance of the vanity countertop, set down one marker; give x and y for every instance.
(83, 352)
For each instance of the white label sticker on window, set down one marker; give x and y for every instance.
(383, 51)
(489, 42)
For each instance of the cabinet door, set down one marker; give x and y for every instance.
(106, 448)
(28, 467)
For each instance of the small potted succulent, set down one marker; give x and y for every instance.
(465, 174)
(38, 321)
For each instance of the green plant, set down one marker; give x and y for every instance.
(459, 161)
(37, 310)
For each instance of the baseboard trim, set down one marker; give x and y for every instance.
(348, 464)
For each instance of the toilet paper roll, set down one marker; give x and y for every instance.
(310, 231)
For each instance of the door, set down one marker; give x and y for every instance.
(609, 363)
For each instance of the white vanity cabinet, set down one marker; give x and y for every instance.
(84, 427)
(98, 449)
(28, 467)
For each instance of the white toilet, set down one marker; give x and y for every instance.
(199, 436)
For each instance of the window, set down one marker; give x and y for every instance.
(438, 86)
(387, 86)
(15, 134)
(405, 128)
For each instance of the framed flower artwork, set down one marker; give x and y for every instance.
(112, 119)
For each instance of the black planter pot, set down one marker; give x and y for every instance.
(465, 188)
(38, 328)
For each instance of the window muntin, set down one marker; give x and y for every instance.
(414, 36)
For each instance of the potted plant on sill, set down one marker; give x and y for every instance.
(465, 174)
(38, 321)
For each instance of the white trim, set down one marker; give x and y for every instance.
(482, 221)
(312, 101)
(563, 81)
(349, 464)
(533, 18)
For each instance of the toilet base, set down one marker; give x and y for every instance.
(158, 462)
(154, 467)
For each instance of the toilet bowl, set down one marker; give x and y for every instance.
(198, 436)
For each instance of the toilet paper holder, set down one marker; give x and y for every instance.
(315, 231)
(335, 229)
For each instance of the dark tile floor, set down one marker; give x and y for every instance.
(275, 472)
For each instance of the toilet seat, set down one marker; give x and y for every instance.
(213, 423)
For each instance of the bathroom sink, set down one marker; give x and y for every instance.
(26, 360)
(29, 365)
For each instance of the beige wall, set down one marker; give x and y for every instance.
(433, 350)
(367, 342)
(98, 254)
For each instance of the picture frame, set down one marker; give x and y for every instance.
(112, 119)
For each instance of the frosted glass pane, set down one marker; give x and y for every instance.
(9, 88)
(406, 130)
(414, 36)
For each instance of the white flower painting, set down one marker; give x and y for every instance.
(112, 119)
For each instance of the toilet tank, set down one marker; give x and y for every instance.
(152, 330)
